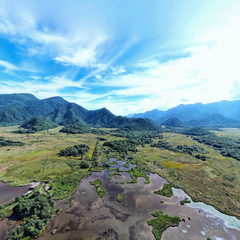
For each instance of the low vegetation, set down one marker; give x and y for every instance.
(119, 197)
(166, 191)
(65, 186)
(161, 222)
(139, 171)
(185, 200)
(99, 187)
(4, 143)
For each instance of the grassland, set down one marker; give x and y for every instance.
(215, 181)
(205, 181)
(38, 159)
(228, 132)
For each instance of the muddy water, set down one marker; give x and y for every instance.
(93, 218)
(8, 193)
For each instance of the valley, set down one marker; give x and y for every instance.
(144, 163)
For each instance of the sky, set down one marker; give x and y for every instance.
(129, 56)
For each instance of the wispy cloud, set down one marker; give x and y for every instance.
(8, 66)
(209, 73)
(126, 56)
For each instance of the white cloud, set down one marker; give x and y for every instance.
(8, 66)
(77, 45)
(209, 74)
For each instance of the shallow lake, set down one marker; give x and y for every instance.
(8, 193)
(93, 218)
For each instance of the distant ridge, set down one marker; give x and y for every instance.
(221, 114)
(19, 108)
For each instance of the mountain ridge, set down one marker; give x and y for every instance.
(19, 108)
(223, 114)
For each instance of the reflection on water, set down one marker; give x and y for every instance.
(8, 193)
(91, 217)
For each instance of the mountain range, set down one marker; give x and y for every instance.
(18, 108)
(217, 114)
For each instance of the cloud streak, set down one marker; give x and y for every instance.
(124, 55)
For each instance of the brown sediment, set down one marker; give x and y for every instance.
(92, 217)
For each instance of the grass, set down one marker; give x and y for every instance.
(166, 191)
(203, 181)
(38, 159)
(186, 200)
(161, 222)
(6, 210)
(99, 187)
(206, 181)
(65, 186)
(137, 172)
(229, 132)
(119, 197)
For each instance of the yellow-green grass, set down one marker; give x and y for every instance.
(38, 159)
(202, 180)
(228, 132)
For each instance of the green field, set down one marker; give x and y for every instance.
(38, 159)
(215, 181)
(206, 181)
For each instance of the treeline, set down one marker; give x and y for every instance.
(75, 151)
(136, 134)
(188, 149)
(121, 146)
(80, 128)
(4, 143)
(130, 144)
(34, 212)
(228, 147)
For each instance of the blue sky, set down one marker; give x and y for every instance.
(125, 55)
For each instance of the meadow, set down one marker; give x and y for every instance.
(215, 181)
(38, 159)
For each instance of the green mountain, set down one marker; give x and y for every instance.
(38, 123)
(173, 122)
(19, 108)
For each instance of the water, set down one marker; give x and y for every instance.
(8, 193)
(208, 210)
(91, 217)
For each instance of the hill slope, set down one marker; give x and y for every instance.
(19, 108)
(38, 124)
(173, 122)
